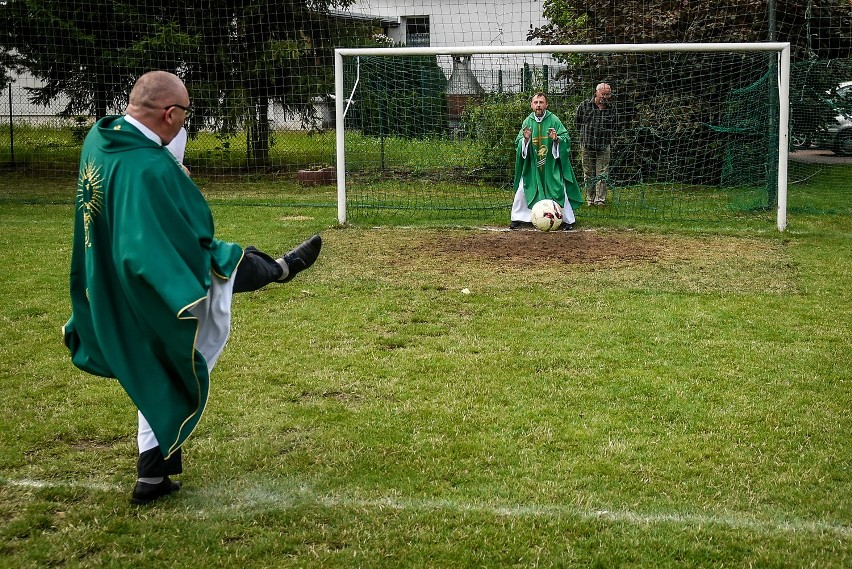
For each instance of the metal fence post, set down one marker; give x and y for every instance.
(11, 127)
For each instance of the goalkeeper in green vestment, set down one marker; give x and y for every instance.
(150, 284)
(543, 166)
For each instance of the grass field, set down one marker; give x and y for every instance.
(632, 394)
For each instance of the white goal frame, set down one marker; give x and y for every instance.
(781, 48)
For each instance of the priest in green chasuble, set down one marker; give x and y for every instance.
(150, 283)
(543, 166)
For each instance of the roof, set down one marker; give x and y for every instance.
(347, 15)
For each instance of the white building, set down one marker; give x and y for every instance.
(464, 23)
(450, 23)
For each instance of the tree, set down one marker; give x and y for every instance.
(252, 52)
(658, 85)
(815, 28)
(73, 47)
(236, 56)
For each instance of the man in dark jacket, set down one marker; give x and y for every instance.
(596, 124)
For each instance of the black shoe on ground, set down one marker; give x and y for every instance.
(515, 224)
(145, 493)
(567, 227)
(301, 257)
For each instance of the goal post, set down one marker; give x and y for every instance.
(349, 93)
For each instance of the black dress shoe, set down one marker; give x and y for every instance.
(302, 257)
(145, 493)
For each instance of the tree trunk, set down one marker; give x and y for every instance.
(259, 134)
(99, 105)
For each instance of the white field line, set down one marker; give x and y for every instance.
(271, 499)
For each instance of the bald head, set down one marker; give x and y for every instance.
(156, 100)
(157, 89)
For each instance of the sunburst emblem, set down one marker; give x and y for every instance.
(89, 196)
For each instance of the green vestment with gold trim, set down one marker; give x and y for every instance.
(546, 177)
(142, 257)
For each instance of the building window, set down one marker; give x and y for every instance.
(417, 31)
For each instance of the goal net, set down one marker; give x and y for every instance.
(428, 134)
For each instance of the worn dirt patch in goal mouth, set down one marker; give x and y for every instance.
(623, 258)
(526, 248)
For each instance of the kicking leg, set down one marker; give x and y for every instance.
(257, 269)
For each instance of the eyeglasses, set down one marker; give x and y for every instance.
(187, 110)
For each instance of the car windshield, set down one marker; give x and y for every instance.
(841, 100)
(844, 95)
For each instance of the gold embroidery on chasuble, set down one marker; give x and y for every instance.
(89, 196)
(541, 145)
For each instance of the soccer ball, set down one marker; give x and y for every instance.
(546, 215)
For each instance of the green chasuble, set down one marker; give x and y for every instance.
(544, 177)
(142, 257)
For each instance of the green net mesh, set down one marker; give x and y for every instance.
(260, 74)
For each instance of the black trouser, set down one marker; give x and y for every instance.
(151, 463)
(255, 271)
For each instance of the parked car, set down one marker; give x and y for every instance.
(826, 123)
(838, 134)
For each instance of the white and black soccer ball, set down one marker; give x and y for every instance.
(546, 215)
